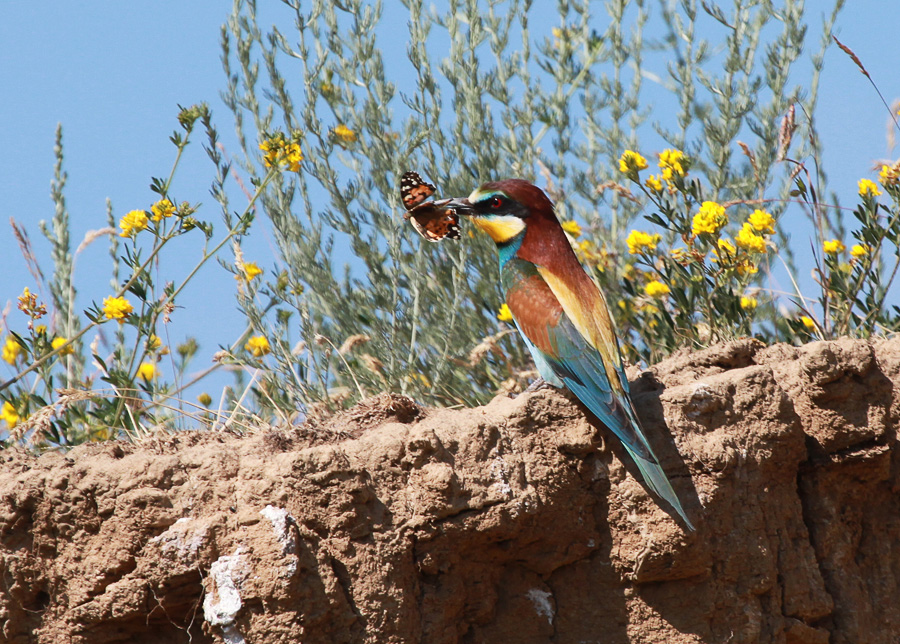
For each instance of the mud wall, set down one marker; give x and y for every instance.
(513, 522)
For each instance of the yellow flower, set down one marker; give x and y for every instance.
(631, 162)
(654, 183)
(28, 304)
(649, 309)
(641, 242)
(204, 399)
(132, 223)
(833, 246)
(270, 148)
(345, 134)
(294, 156)
(746, 267)
(572, 228)
(808, 322)
(147, 371)
(58, 342)
(162, 209)
(586, 250)
(762, 222)
(11, 350)
(868, 188)
(561, 37)
(258, 345)
(583, 249)
(505, 315)
(709, 219)
(673, 164)
(8, 413)
(117, 308)
(889, 175)
(588, 253)
(656, 289)
(749, 240)
(860, 250)
(154, 343)
(26, 299)
(678, 254)
(748, 303)
(251, 271)
(726, 245)
(724, 250)
(278, 152)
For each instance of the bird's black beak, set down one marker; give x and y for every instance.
(461, 206)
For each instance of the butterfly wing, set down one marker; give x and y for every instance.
(414, 190)
(435, 222)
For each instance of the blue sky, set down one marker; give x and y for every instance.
(114, 73)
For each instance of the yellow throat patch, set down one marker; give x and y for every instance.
(501, 228)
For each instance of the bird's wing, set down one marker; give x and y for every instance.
(561, 326)
(551, 329)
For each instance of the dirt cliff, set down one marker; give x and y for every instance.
(513, 522)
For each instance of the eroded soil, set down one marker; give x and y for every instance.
(513, 522)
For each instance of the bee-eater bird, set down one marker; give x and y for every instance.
(561, 314)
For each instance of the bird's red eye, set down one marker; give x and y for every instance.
(495, 202)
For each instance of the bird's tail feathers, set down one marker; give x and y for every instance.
(655, 478)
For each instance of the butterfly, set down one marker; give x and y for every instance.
(429, 218)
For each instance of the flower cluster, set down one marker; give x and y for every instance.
(858, 251)
(133, 222)
(249, 271)
(709, 219)
(278, 152)
(258, 346)
(748, 239)
(12, 350)
(117, 308)
(674, 165)
(640, 242)
(711, 273)
(66, 349)
(889, 177)
(136, 221)
(655, 288)
(162, 209)
(833, 247)
(762, 222)
(630, 163)
(572, 228)
(147, 371)
(9, 414)
(344, 134)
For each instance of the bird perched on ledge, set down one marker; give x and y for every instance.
(562, 314)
